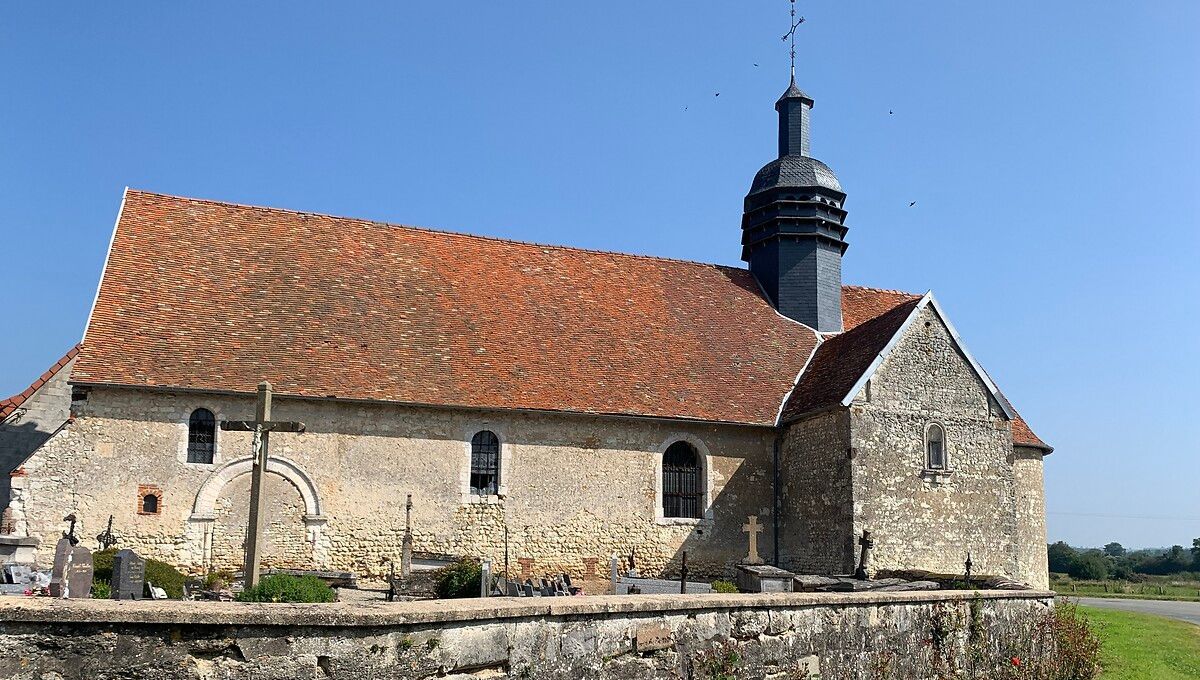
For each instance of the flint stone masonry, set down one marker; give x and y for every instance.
(795, 635)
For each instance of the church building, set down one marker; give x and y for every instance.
(554, 404)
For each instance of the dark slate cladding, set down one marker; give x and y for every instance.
(792, 228)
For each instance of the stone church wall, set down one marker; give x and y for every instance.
(816, 495)
(990, 503)
(32, 424)
(573, 488)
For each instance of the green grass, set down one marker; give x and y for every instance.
(1157, 589)
(1144, 647)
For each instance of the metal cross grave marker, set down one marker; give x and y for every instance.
(753, 528)
(262, 426)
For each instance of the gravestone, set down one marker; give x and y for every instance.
(129, 575)
(79, 573)
(62, 556)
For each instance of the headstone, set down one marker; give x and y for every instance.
(615, 573)
(79, 573)
(406, 547)
(129, 575)
(753, 528)
(485, 579)
(528, 588)
(62, 556)
(156, 593)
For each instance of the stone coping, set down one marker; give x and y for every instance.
(370, 614)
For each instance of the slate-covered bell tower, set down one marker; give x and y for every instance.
(792, 233)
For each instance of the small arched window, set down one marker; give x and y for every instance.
(935, 447)
(485, 463)
(202, 431)
(149, 504)
(682, 494)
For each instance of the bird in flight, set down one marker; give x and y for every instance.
(890, 113)
(756, 66)
(717, 94)
(912, 204)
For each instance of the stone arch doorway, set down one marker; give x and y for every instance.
(292, 517)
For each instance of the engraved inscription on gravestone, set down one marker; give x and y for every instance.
(129, 575)
(79, 573)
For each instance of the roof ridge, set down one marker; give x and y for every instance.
(433, 230)
(881, 290)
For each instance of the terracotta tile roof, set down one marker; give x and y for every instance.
(842, 359)
(1024, 436)
(10, 405)
(860, 304)
(213, 296)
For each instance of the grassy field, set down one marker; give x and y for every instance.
(1143, 647)
(1160, 588)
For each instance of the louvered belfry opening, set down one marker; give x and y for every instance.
(202, 431)
(682, 492)
(485, 463)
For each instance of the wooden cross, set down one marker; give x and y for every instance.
(262, 426)
(753, 528)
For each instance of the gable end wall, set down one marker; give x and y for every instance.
(989, 505)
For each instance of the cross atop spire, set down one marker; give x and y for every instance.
(791, 35)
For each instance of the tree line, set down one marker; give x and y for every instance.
(1113, 561)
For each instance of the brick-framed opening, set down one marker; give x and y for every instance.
(149, 500)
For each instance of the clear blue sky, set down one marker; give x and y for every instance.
(1051, 148)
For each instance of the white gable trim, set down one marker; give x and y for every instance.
(928, 300)
(103, 270)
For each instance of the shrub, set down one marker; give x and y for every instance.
(288, 588)
(160, 574)
(459, 579)
(101, 590)
(725, 586)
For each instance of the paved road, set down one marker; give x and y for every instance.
(1183, 611)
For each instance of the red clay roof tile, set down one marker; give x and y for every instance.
(215, 296)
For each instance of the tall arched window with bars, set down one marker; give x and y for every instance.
(485, 463)
(682, 492)
(202, 436)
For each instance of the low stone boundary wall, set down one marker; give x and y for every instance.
(778, 636)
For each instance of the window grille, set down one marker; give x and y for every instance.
(485, 464)
(682, 492)
(935, 448)
(202, 430)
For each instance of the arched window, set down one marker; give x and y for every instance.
(149, 504)
(935, 447)
(485, 463)
(202, 430)
(682, 493)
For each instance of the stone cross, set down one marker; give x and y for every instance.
(406, 547)
(753, 528)
(262, 426)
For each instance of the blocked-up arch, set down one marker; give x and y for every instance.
(206, 497)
